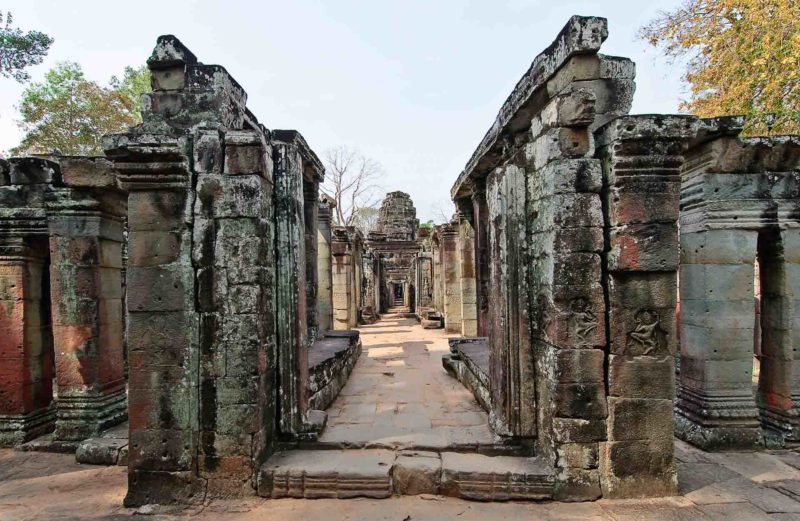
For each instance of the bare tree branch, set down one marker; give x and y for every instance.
(351, 180)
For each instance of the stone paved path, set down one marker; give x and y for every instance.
(399, 395)
(732, 487)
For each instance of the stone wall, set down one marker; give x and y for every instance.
(213, 308)
(562, 253)
(61, 234)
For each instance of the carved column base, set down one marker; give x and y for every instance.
(16, 429)
(722, 420)
(782, 424)
(82, 416)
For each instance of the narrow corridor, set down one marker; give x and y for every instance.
(399, 395)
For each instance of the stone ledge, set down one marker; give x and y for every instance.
(377, 473)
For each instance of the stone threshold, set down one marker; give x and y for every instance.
(381, 473)
(500, 448)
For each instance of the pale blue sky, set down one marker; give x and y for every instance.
(412, 84)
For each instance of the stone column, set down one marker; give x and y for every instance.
(480, 222)
(325, 289)
(438, 279)
(342, 279)
(310, 220)
(163, 326)
(643, 157)
(715, 404)
(86, 301)
(451, 277)
(26, 350)
(469, 297)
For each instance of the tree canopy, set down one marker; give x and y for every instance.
(19, 50)
(351, 180)
(69, 114)
(742, 57)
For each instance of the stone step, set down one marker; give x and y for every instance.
(499, 448)
(380, 473)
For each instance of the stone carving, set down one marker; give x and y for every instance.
(648, 333)
(581, 322)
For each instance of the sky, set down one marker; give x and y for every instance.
(413, 84)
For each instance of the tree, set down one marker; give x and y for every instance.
(69, 114)
(742, 57)
(350, 179)
(365, 219)
(19, 50)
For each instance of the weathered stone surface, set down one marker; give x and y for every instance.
(327, 474)
(416, 472)
(498, 478)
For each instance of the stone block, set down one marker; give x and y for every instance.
(241, 160)
(574, 484)
(572, 109)
(558, 143)
(641, 377)
(613, 96)
(580, 400)
(577, 455)
(207, 153)
(566, 176)
(658, 205)
(723, 246)
(566, 210)
(632, 419)
(87, 172)
(466, 475)
(631, 469)
(158, 210)
(327, 474)
(578, 430)
(643, 247)
(169, 78)
(164, 288)
(416, 472)
(154, 248)
(579, 366)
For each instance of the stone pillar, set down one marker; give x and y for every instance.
(438, 279)
(642, 161)
(451, 276)
(310, 220)
(163, 327)
(86, 301)
(480, 214)
(26, 349)
(324, 289)
(715, 404)
(469, 297)
(791, 257)
(342, 279)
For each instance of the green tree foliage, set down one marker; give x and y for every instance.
(742, 57)
(68, 114)
(19, 50)
(427, 225)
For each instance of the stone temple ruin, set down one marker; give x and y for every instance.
(593, 256)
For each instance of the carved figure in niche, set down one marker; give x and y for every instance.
(648, 332)
(581, 322)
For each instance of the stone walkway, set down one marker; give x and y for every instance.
(729, 487)
(399, 395)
